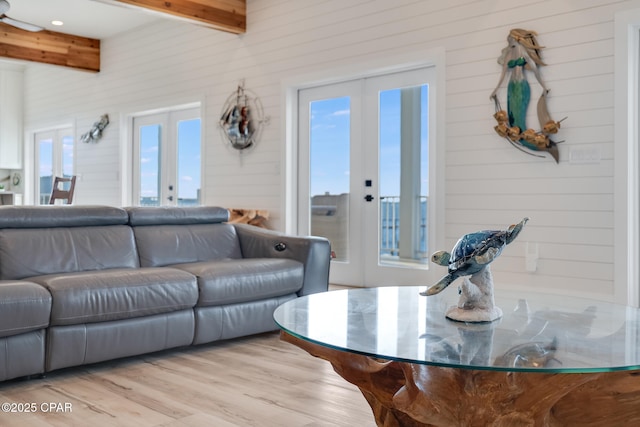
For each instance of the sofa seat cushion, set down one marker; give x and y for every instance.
(24, 307)
(106, 295)
(233, 281)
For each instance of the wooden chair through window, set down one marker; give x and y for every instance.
(58, 192)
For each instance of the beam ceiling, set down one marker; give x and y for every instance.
(83, 53)
(225, 15)
(50, 47)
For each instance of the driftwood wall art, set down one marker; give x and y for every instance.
(254, 217)
(518, 59)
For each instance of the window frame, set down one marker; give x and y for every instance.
(128, 177)
(432, 57)
(168, 153)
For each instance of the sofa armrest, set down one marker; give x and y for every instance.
(313, 252)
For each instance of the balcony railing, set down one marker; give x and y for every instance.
(330, 215)
(390, 226)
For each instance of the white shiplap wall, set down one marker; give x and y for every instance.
(488, 183)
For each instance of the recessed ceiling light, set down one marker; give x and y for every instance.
(58, 23)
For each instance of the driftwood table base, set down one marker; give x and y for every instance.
(408, 394)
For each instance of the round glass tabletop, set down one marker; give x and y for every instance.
(538, 332)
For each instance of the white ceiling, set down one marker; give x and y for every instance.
(89, 18)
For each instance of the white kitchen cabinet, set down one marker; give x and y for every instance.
(11, 133)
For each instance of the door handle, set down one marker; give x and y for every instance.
(368, 197)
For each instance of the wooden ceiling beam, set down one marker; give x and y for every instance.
(83, 53)
(50, 47)
(225, 15)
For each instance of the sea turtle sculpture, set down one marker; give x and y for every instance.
(472, 254)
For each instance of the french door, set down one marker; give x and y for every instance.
(364, 176)
(54, 157)
(167, 158)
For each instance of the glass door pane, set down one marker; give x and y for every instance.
(403, 175)
(149, 165)
(67, 159)
(54, 151)
(45, 170)
(189, 161)
(329, 174)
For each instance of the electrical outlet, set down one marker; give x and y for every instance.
(531, 257)
(582, 156)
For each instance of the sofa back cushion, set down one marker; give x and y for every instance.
(49, 216)
(169, 235)
(37, 240)
(37, 251)
(171, 215)
(160, 245)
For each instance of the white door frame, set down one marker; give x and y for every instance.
(376, 273)
(626, 155)
(352, 89)
(126, 174)
(131, 178)
(365, 68)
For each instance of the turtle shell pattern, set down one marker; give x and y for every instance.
(474, 244)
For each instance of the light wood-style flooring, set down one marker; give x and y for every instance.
(252, 381)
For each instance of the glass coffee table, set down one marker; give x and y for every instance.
(549, 361)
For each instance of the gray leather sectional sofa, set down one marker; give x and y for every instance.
(84, 284)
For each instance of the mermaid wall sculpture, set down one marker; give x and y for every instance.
(523, 54)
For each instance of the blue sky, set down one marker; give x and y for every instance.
(329, 147)
(149, 161)
(329, 151)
